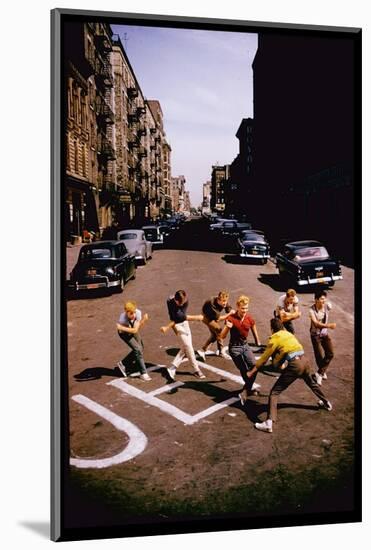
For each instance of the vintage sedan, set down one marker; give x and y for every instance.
(308, 263)
(153, 235)
(104, 264)
(253, 245)
(165, 229)
(232, 228)
(136, 243)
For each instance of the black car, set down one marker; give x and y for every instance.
(164, 228)
(308, 263)
(251, 244)
(104, 264)
(232, 228)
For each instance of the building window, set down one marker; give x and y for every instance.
(83, 111)
(75, 105)
(76, 147)
(83, 154)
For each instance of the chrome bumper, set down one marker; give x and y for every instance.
(320, 280)
(245, 255)
(92, 286)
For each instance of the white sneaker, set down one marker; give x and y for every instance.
(224, 354)
(265, 426)
(122, 368)
(171, 372)
(318, 378)
(324, 376)
(145, 377)
(202, 354)
(242, 398)
(325, 405)
(255, 386)
(199, 374)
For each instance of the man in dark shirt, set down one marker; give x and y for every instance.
(177, 306)
(212, 310)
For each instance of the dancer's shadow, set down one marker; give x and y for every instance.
(172, 351)
(95, 373)
(253, 409)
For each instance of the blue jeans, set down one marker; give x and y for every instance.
(136, 345)
(244, 360)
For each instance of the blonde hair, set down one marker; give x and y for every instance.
(243, 300)
(290, 293)
(130, 306)
(223, 295)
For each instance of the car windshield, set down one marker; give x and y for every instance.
(128, 236)
(95, 253)
(311, 253)
(252, 237)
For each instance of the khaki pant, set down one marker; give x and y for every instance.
(183, 331)
(296, 368)
(215, 330)
(323, 351)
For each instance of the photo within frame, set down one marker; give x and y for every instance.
(206, 274)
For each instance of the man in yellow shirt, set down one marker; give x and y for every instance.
(284, 348)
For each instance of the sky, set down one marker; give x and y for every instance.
(204, 83)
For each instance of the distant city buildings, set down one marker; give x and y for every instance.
(219, 181)
(296, 155)
(206, 198)
(118, 160)
(177, 192)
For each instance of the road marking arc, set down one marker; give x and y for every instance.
(137, 440)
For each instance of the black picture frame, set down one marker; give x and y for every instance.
(64, 493)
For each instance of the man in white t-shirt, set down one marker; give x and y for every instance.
(287, 309)
(128, 326)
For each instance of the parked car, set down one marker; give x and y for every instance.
(256, 231)
(136, 243)
(174, 222)
(104, 264)
(153, 235)
(165, 229)
(233, 228)
(253, 245)
(217, 224)
(308, 263)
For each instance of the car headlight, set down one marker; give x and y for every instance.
(110, 270)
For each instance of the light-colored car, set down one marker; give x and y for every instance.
(136, 243)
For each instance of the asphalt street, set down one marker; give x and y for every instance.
(177, 457)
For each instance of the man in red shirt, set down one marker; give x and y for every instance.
(239, 324)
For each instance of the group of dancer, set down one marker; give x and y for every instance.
(283, 347)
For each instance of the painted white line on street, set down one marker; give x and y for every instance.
(154, 401)
(137, 440)
(221, 372)
(166, 388)
(167, 407)
(214, 408)
(188, 419)
(155, 367)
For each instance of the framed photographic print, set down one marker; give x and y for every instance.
(206, 190)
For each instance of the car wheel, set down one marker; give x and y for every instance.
(134, 273)
(264, 261)
(121, 285)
